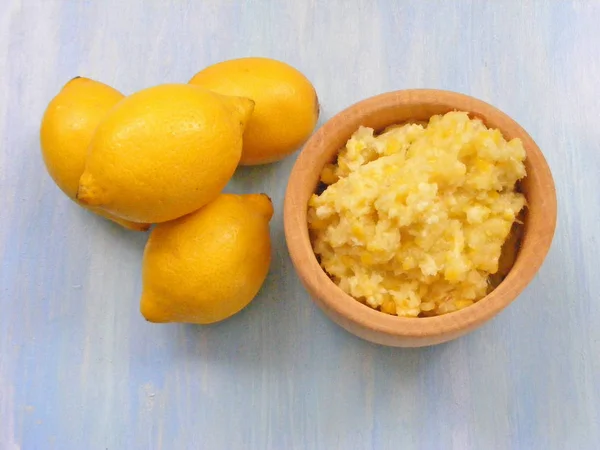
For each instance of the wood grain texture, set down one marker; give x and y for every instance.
(79, 367)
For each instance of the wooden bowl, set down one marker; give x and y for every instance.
(379, 112)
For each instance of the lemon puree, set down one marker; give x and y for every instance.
(412, 221)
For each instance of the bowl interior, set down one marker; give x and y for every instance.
(378, 113)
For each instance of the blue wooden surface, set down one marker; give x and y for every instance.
(79, 367)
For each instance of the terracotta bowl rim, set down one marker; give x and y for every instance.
(331, 297)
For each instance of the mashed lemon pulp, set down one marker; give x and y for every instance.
(412, 221)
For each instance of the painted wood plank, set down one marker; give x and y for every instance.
(79, 368)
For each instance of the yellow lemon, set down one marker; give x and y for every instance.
(164, 152)
(67, 128)
(286, 111)
(207, 266)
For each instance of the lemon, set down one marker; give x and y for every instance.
(207, 266)
(164, 152)
(286, 111)
(67, 128)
